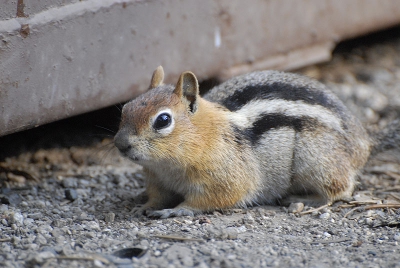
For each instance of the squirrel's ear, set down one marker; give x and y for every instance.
(188, 89)
(157, 78)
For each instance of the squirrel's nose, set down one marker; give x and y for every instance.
(121, 141)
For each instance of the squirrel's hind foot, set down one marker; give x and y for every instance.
(172, 212)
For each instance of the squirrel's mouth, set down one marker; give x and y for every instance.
(128, 154)
(131, 155)
(134, 158)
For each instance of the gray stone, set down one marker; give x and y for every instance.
(11, 199)
(295, 207)
(109, 217)
(71, 194)
(70, 182)
(16, 218)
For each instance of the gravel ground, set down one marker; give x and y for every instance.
(66, 195)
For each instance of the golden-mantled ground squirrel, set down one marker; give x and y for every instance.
(254, 139)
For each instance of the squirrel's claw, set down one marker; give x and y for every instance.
(173, 212)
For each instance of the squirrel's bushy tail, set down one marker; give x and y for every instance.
(387, 138)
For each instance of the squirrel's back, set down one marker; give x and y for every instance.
(303, 134)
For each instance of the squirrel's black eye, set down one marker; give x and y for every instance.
(162, 121)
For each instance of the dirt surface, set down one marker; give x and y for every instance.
(67, 194)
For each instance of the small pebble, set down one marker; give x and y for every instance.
(396, 237)
(39, 204)
(16, 218)
(49, 249)
(15, 240)
(3, 208)
(324, 216)
(90, 234)
(144, 243)
(58, 223)
(42, 257)
(46, 254)
(11, 199)
(326, 234)
(35, 216)
(92, 225)
(56, 211)
(359, 259)
(295, 207)
(248, 218)
(231, 232)
(69, 182)
(141, 235)
(98, 263)
(83, 216)
(204, 219)
(57, 232)
(71, 194)
(241, 229)
(109, 217)
(231, 257)
(28, 222)
(40, 240)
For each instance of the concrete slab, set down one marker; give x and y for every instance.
(66, 57)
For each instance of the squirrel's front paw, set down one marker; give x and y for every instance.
(141, 211)
(173, 212)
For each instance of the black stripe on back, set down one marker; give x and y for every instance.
(275, 121)
(283, 91)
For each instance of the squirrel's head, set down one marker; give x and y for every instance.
(157, 125)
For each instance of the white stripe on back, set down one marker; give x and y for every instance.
(253, 110)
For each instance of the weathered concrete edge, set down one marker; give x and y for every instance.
(59, 13)
(284, 61)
